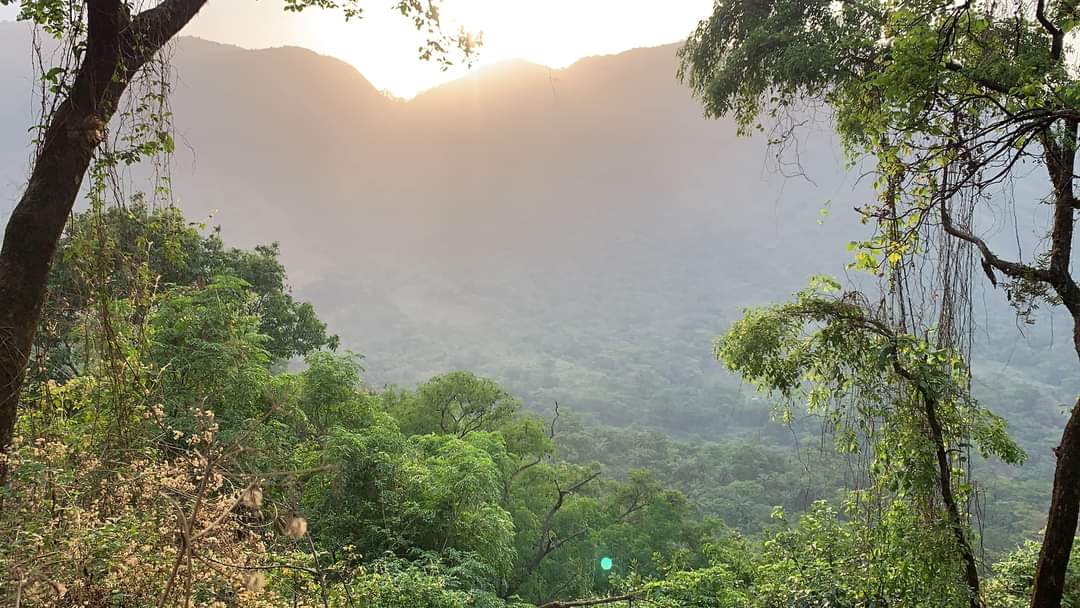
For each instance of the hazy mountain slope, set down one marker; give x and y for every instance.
(579, 234)
(16, 111)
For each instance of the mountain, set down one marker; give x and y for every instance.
(579, 234)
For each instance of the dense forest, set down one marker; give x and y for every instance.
(180, 427)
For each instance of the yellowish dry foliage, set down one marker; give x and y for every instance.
(83, 531)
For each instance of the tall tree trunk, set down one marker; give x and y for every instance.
(30, 241)
(1061, 521)
(117, 47)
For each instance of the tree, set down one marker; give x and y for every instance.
(905, 399)
(117, 45)
(209, 350)
(1014, 575)
(951, 99)
(107, 254)
(457, 403)
(109, 46)
(330, 391)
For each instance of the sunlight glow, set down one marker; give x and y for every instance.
(383, 46)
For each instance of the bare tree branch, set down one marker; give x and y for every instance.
(596, 601)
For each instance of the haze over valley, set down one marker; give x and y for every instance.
(579, 234)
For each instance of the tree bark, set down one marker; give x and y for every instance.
(1061, 520)
(117, 47)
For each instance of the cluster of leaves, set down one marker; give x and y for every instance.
(948, 98)
(867, 381)
(897, 400)
(136, 253)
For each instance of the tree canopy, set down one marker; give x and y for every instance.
(949, 101)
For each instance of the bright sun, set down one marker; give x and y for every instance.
(383, 46)
(550, 32)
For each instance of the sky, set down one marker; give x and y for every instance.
(383, 45)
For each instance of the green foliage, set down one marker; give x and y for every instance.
(134, 252)
(527, 435)
(1014, 576)
(330, 394)
(447, 494)
(209, 349)
(896, 398)
(715, 586)
(950, 101)
(396, 585)
(868, 383)
(882, 68)
(750, 56)
(457, 403)
(824, 561)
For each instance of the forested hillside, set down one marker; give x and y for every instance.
(547, 337)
